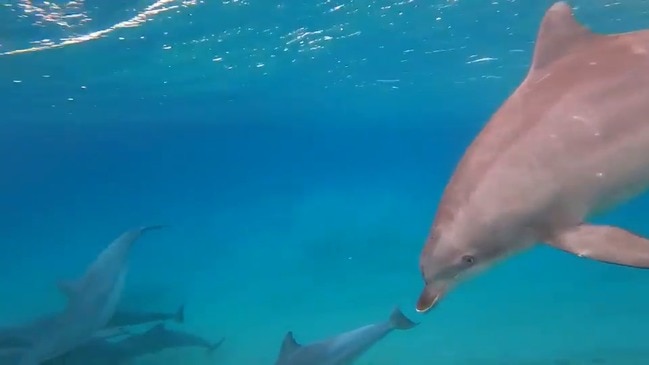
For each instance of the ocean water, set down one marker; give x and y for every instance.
(297, 152)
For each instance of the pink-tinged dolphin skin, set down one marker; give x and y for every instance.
(571, 141)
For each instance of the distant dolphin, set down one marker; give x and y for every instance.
(159, 338)
(570, 142)
(92, 300)
(130, 318)
(343, 349)
(156, 339)
(19, 336)
(97, 351)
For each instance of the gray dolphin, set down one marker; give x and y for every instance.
(343, 349)
(19, 336)
(98, 351)
(570, 142)
(102, 352)
(92, 300)
(159, 338)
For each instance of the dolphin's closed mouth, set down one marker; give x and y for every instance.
(429, 298)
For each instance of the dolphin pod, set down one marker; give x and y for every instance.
(85, 330)
(91, 302)
(570, 142)
(81, 333)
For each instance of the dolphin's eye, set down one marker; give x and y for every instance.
(468, 260)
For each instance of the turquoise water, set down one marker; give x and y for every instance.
(297, 152)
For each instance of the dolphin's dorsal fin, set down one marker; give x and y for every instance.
(289, 345)
(558, 34)
(68, 287)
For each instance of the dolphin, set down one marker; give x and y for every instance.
(98, 351)
(19, 336)
(343, 349)
(572, 141)
(102, 352)
(91, 302)
(159, 338)
(127, 318)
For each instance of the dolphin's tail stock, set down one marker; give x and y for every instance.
(215, 346)
(399, 321)
(180, 314)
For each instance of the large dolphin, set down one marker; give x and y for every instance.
(343, 349)
(571, 141)
(91, 302)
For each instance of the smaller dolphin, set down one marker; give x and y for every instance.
(126, 318)
(159, 338)
(19, 336)
(343, 349)
(99, 351)
(92, 300)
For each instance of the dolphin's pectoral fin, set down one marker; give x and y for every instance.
(605, 243)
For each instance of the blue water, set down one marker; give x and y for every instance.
(297, 152)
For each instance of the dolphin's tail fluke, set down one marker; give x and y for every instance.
(130, 236)
(399, 321)
(180, 314)
(152, 227)
(215, 346)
